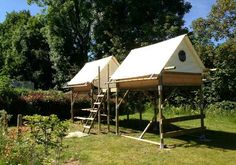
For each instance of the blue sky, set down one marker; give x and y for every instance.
(200, 8)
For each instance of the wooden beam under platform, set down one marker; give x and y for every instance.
(183, 132)
(182, 118)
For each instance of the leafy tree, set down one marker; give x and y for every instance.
(24, 50)
(215, 40)
(77, 30)
(68, 32)
(126, 24)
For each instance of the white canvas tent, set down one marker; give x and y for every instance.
(88, 75)
(161, 67)
(148, 62)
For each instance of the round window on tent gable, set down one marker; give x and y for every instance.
(182, 55)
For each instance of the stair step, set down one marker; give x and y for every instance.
(100, 95)
(84, 118)
(94, 111)
(89, 109)
(87, 126)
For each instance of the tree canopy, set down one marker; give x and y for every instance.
(24, 50)
(55, 44)
(215, 40)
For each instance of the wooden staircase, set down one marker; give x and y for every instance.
(97, 107)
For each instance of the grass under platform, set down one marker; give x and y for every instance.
(107, 148)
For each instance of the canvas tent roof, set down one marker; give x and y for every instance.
(150, 60)
(89, 72)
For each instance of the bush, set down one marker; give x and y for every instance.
(28, 102)
(224, 108)
(21, 146)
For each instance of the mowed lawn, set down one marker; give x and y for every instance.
(107, 148)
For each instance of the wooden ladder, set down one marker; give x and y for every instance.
(97, 106)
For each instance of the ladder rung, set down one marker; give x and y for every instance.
(100, 95)
(87, 126)
(84, 118)
(94, 111)
(103, 114)
(89, 109)
(97, 103)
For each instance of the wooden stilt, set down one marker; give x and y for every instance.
(108, 99)
(155, 110)
(127, 115)
(160, 112)
(99, 90)
(140, 118)
(201, 110)
(127, 110)
(72, 106)
(91, 93)
(117, 113)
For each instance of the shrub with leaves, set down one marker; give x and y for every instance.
(47, 132)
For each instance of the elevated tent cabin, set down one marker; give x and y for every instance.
(93, 77)
(143, 66)
(171, 63)
(88, 76)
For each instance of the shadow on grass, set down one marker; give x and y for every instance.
(215, 139)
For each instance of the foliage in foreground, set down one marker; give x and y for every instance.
(35, 145)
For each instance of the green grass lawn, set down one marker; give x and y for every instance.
(107, 148)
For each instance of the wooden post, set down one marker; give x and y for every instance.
(140, 118)
(5, 122)
(91, 93)
(72, 106)
(127, 110)
(127, 114)
(19, 120)
(160, 111)
(99, 91)
(155, 110)
(108, 99)
(117, 113)
(19, 124)
(201, 110)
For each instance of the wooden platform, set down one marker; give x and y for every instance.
(168, 79)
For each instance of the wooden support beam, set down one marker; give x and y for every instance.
(117, 114)
(99, 90)
(143, 140)
(145, 130)
(117, 109)
(72, 106)
(182, 132)
(91, 94)
(182, 118)
(108, 99)
(160, 111)
(122, 99)
(201, 110)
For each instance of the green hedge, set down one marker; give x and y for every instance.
(40, 102)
